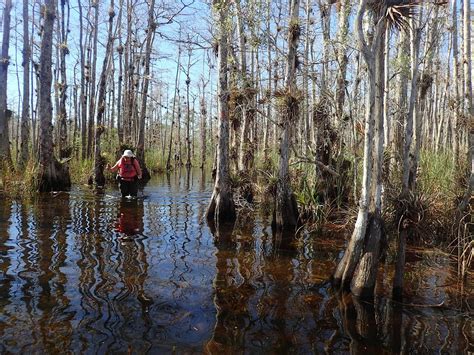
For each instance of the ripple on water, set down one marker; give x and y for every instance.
(91, 273)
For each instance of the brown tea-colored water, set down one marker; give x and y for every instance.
(88, 273)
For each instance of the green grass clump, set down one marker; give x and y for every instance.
(437, 174)
(81, 170)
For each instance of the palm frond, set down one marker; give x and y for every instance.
(396, 12)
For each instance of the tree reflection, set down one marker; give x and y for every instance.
(53, 301)
(225, 329)
(369, 329)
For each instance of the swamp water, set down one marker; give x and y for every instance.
(85, 273)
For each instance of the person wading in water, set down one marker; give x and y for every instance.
(129, 173)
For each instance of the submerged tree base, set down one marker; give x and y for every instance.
(365, 276)
(221, 208)
(54, 177)
(285, 215)
(357, 270)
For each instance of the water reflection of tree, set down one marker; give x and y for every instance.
(6, 278)
(371, 328)
(252, 294)
(54, 323)
(227, 326)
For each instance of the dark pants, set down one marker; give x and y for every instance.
(128, 188)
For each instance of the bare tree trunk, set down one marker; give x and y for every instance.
(64, 150)
(188, 112)
(467, 198)
(221, 207)
(401, 103)
(99, 162)
(5, 155)
(92, 82)
(365, 275)
(325, 13)
(269, 85)
(33, 80)
(173, 118)
(386, 115)
(286, 209)
(25, 124)
(203, 125)
(359, 263)
(306, 105)
(343, 25)
(52, 174)
(83, 97)
(468, 99)
(146, 74)
(408, 137)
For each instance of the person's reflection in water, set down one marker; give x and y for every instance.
(130, 219)
(135, 265)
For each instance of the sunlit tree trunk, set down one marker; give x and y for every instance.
(188, 112)
(99, 162)
(146, 80)
(306, 105)
(83, 96)
(173, 116)
(467, 60)
(286, 208)
(386, 114)
(467, 198)
(5, 155)
(221, 208)
(25, 107)
(64, 150)
(407, 162)
(244, 144)
(120, 79)
(203, 125)
(358, 267)
(325, 14)
(343, 29)
(51, 174)
(401, 93)
(92, 82)
(269, 85)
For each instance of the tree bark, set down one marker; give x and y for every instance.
(146, 80)
(25, 107)
(92, 81)
(286, 208)
(99, 162)
(5, 155)
(221, 207)
(83, 96)
(203, 125)
(397, 290)
(51, 174)
(64, 150)
(344, 12)
(359, 263)
(173, 118)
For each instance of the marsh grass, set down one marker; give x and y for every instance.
(18, 183)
